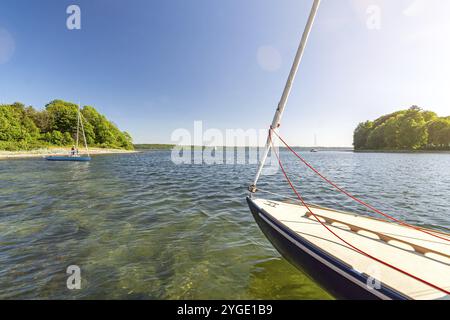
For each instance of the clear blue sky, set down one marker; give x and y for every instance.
(153, 66)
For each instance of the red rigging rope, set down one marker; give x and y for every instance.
(340, 238)
(373, 209)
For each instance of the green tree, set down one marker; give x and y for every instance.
(446, 137)
(25, 128)
(105, 133)
(68, 139)
(437, 132)
(41, 119)
(376, 138)
(57, 138)
(391, 133)
(361, 135)
(429, 116)
(15, 125)
(405, 129)
(62, 115)
(412, 130)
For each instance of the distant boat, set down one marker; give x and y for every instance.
(213, 151)
(315, 144)
(349, 255)
(68, 158)
(74, 154)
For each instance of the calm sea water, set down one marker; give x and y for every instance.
(140, 227)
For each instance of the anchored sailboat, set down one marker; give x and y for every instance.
(351, 256)
(74, 155)
(315, 145)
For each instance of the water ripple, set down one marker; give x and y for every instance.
(141, 227)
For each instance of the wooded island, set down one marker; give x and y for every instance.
(412, 129)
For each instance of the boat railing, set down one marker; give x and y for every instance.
(381, 236)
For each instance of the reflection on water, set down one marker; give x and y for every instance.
(141, 227)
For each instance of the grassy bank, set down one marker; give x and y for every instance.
(154, 146)
(37, 153)
(402, 151)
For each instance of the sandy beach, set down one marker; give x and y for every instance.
(56, 151)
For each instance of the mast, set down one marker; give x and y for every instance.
(287, 90)
(78, 126)
(84, 135)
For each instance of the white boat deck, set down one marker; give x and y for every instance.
(415, 252)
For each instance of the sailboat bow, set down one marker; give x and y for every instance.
(350, 256)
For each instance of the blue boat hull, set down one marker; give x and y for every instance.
(337, 278)
(67, 158)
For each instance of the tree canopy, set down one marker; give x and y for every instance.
(25, 128)
(412, 129)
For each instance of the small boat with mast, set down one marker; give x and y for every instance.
(350, 256)
(74, 154)
(314, 150)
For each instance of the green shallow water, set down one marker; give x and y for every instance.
(141, 227)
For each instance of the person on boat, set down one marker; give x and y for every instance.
(73, 151)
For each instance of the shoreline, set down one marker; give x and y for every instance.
(39, 153)
(401, 151)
